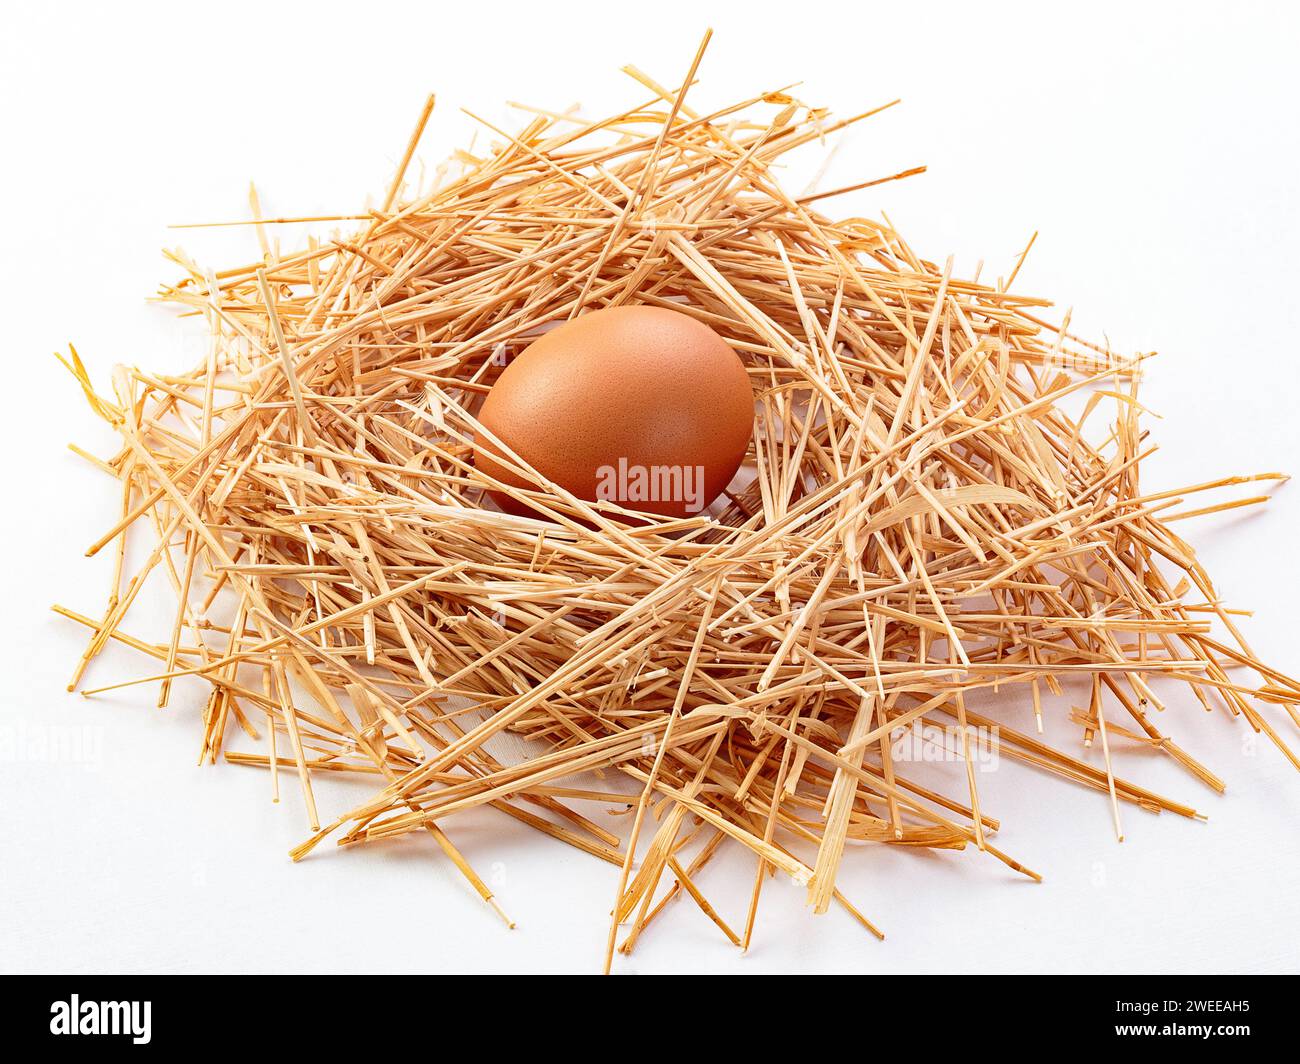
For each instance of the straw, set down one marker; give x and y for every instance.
(921, 522)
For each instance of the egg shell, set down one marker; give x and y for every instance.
(620, 399)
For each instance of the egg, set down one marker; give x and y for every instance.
(641, 406)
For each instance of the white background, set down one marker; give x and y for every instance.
(1154, 147)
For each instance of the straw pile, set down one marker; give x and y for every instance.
(922, 519)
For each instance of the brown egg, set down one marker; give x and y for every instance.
(641, 406)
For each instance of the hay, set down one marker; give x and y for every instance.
(922, 520)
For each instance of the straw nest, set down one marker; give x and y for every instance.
(921, 519)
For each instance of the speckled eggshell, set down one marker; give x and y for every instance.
(651, 386)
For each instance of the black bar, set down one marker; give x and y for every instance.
(1022, 1012)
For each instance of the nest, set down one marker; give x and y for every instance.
(920, 518)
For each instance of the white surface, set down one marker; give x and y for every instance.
(1154, 148)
